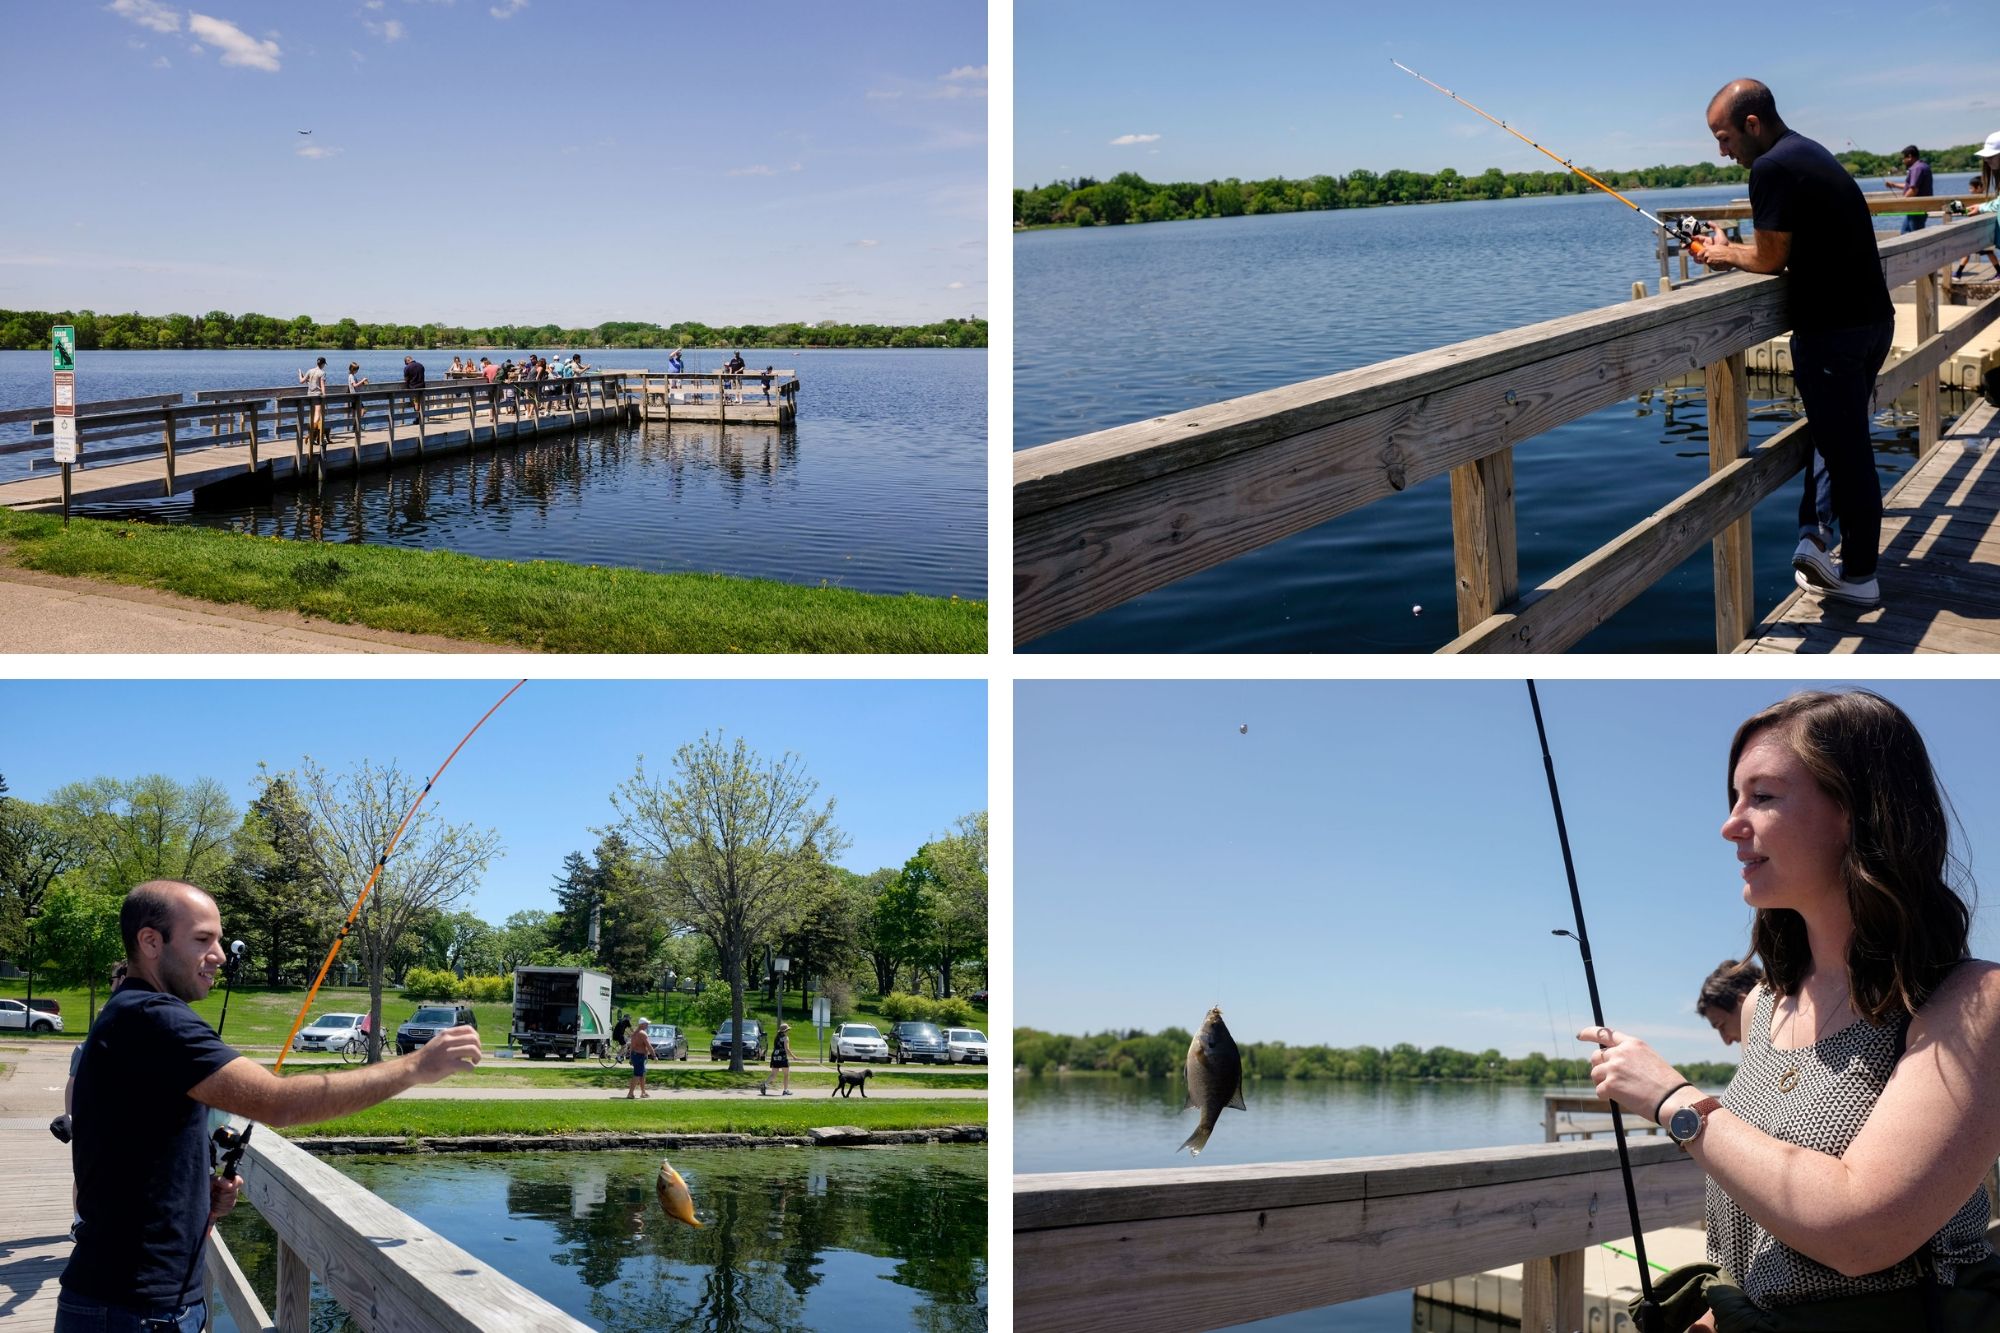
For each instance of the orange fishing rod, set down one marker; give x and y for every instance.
(375, 874)
(1687, 229)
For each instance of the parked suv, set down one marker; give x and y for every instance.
(752, 1043)
(918, 1041)
(859, 1041)
(430, 1020)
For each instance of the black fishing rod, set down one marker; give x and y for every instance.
(1648, 1311)
(228, 982)
(1687, 230)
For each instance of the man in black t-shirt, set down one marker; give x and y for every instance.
(1813, 225)
(413, 379)
(150, 1070)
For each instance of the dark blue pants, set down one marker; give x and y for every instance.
(75, 1315)
(1835, 372)
(1913, 222)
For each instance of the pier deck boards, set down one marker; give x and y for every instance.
(194, 468)
(35, 1206)
(1940, 568)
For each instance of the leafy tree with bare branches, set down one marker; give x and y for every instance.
(735, 843)
(352, 817)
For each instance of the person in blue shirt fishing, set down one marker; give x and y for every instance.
(1916, 184)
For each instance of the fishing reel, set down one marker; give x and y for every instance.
(1689, 232)
(231, 1141)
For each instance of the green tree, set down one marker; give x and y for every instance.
(736, 842)
(78, 935)
(268, 893)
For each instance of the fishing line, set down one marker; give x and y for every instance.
(381, 860)
(1648, 1310)
(1687, 230)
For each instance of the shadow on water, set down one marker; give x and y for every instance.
(792, 1238)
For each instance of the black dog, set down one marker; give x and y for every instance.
(849, 1082)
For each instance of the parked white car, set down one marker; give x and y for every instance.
(859, 1041)
(18, 1017)
(331, 1032)
(968, 1045)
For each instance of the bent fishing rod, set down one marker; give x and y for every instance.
(1687, 230)
(381, 860)
(1648, 1312)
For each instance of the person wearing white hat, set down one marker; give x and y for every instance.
(1988, 184)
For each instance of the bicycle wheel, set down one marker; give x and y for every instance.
(610, 1056)
(353, 1049)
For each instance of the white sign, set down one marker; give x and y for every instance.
(65, 393)
(65, 433)
(821, 1014)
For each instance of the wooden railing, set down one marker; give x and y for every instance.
(1203, 1247)
(1738, 210)
(386, 1269)
(1560, 1109)
(712, 387)
(255, 416)
(1102, 518)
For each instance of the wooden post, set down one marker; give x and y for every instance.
(422, 403)
(1552, 1293)
(1929, 425)
(294, 1291)
(1728, 387)
(168, 417)
(392, 435)
(253, 449)
(1482, 536)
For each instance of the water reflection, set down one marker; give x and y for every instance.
(792, 1238)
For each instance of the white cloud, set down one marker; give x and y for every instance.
(954, 286)
(389, 30)
(315, 152)
(759, 170)
(1126, 140)
(147, 14)
(507, 9)
(868, 245)
(882, 94)
(161, 62)
(966, 72)
(372, 4)
(237, 46)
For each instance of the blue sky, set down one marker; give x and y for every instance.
(902, 759)
(1296, 88)
(486, 161)
(1376, 862)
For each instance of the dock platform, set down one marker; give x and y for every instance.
(1940, 567)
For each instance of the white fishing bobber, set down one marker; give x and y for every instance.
(1416, 610)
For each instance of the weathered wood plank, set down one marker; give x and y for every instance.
(227, 1280)
(1484, 551)
(1552, 1293)
(1209, 1269)
(17, 415)
(1728, 387)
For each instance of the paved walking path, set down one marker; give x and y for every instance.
(47, 613)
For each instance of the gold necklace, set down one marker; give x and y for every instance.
(1790, 1078)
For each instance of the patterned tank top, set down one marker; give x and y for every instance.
(1823, 1107)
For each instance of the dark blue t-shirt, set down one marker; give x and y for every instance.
(1834, 274)
(141, 1152)
(413, 375)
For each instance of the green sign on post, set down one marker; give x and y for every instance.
(63, 340)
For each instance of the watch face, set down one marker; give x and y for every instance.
(1684, 1124)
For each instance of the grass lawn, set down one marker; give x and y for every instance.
(542, 605)
(418, 1119)
(259, 1017)
(590, 1077)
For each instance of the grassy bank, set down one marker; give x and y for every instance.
(419, 1119)
(591, 1077)
(541, 605)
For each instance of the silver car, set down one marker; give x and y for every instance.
(332, 1032)
(968, 1045)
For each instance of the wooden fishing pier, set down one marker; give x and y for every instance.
(1101, 518)
(157, 447)
(1191, 1248)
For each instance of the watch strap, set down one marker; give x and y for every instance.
(1701, 1110)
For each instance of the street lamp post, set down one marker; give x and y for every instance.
(28, 1020)
(779, 967)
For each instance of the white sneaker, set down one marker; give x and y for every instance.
(1816, 570)
(1862, 592)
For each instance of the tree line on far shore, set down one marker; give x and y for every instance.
(1163, 1054)
(1129, 197)
(28, 329)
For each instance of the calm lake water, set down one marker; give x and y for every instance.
(1098, 1123)
(792, 1238)
(881, 485)
(1117, 324)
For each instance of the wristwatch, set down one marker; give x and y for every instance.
(1685, 1125)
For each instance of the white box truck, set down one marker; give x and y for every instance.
(562, 1011)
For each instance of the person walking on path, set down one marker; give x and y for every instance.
(781, 1060)
(140, 1145)
(314, 378)
(1813, 225)
(641, 1048)
(1916, 184)
(1988, 184)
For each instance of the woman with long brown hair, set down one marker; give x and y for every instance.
(1846, 1158)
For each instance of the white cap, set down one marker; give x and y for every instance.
(1992, 146)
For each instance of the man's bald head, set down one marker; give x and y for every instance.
(1741, 99)
(158, 904)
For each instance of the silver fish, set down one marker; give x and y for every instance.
(1214, 1078)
